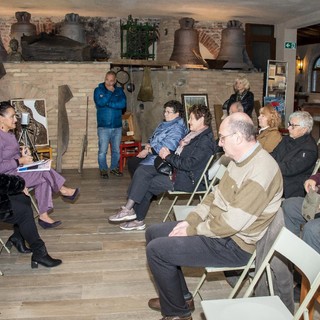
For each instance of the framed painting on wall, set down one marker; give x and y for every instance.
(38, 125)
(189, 99)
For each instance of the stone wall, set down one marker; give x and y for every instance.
(171, 84)
(41, 80)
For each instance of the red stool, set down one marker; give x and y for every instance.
(128, 149)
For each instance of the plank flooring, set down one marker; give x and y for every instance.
(104, 274)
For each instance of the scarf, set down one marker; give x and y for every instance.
(186, 140)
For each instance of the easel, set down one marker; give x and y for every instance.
(26, 141)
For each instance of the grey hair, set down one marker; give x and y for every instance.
(245, 127)
(305, 119)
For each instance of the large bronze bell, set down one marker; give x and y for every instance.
(186, 50)
(233, 48)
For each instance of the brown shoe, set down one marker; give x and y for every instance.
(176, 318)
(155, 305)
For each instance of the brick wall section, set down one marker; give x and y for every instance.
(41, 80)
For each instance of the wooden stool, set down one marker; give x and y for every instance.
(44, 152)
(128, 149)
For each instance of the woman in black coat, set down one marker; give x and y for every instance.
(243, 94)
(188, 161)
(15, 208)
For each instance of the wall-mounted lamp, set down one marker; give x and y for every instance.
(300, 64)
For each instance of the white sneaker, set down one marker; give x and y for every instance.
(133, 225)
(123, 215)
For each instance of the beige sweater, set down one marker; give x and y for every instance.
(243, 204)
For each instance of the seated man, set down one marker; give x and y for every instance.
(294, 220)
(296, 154)
(224, 228)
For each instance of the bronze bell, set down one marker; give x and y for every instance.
(233, 48)
(186, 50)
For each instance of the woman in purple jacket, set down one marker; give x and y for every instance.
(43, 182)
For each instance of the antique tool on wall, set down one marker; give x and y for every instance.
(146, 90)
(64, 95)
(84, 147)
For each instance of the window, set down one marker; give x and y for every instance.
(315, 76)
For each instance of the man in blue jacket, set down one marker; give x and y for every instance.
(110, 101)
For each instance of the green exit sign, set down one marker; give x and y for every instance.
(290, 45)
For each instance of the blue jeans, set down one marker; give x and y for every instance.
(106, 136)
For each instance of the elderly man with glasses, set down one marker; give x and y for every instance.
(296, 154)
(224, 228)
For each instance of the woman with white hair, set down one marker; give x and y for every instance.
(243, 94)
(296, 154)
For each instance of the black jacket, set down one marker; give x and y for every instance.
(246, 99)
(8, 185)
(190, 163)
(296, 159)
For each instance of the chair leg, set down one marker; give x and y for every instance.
(196, 291)
(160, 200)
(35, 206)
(3, 245)
(170, 209)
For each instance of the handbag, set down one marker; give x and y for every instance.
(162, 166)
(311, 205)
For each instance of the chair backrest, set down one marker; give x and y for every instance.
(218, 113)
(203, 178)
(257, 107)
(316, 167)
(300, 254)
(216, 178)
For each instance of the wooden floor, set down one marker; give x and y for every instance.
(104, 273)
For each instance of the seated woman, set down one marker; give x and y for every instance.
(15, 208)
(269, 122)
(296, 154)
(43, 182)
(167, 134)
(188, 162)
(243, 94)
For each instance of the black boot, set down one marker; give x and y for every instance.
(17, 241)
(40, 256)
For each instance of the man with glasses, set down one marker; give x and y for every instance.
(224, 228)
(296, 154)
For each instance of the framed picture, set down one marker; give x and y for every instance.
(189, 99)
(37, 128)
(281, 70)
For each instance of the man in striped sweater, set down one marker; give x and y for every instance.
(224, 228)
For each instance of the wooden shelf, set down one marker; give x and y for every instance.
(144, 63)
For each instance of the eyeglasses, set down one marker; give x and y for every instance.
(293, 125)
(222, 138)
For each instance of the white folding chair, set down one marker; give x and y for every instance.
(270, 235)
(208, 180)
(203, 179)
(293, 249)
(3, 245)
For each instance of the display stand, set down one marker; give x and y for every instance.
(276, 86)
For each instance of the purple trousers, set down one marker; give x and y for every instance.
(44, 184)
